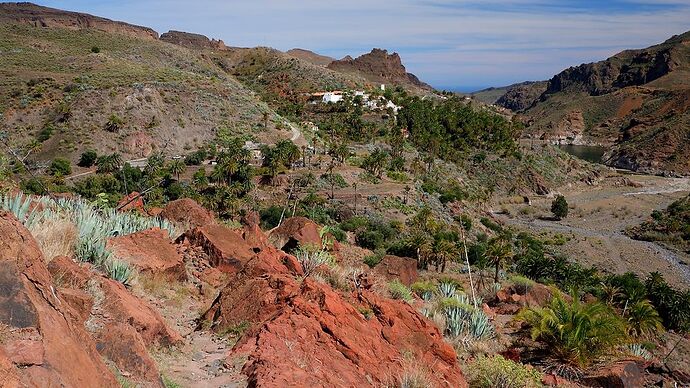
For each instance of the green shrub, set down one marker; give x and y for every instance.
(95, 49)
(424, 290)
(88, 158)
(60, 167)
(374, 259)
(559, 207)
(399, 291)
(33, 186)
(45, 133)
(496, 371)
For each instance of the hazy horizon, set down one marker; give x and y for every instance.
(461, 45)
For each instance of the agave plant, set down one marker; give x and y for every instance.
(19, 205)
(120, 271)
(447, 290)
(638, 350)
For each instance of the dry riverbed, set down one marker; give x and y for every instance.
(599, 214)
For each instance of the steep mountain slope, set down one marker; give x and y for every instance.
(636, 102)
(381, 68)
(68, 83)
(516, 97)
(310, 56)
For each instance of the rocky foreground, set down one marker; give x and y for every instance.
(65, 324)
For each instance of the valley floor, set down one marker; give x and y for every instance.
(599, 215)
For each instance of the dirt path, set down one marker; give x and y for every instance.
(598, 218)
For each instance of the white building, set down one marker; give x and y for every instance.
(332, 97)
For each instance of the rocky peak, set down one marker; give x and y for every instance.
(193, 41)
(39, 16)
(379, 66)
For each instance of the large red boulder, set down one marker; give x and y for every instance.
(151, 252)
(226, 248)
(295, 232)
(120, 306)
(48, 341)
(122, 345)
(328, 340)
(623, 374)
(186, 211)
(401, 268)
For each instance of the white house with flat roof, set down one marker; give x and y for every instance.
(332, 97)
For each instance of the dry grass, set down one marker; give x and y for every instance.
(55, 237)
(412, 375)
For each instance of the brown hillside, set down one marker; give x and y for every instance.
(38, 16)
(310, 56)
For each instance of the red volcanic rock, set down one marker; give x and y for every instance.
(252, 233)
(294, 232)
(31, 303)
(8, 372)
(123, 345)
(538, 295)
(67, 273)
(226, 248)
(25, 352)
(151, 252)
(394, 267)
(329, 342)
(624, 374)
(81, 302)
(131, 202)
(120, 306)
(187, 211)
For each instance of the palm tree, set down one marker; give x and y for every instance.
(176, 168)
(444, 251)
(499, 252)
(575, 333)
(643, 319)
(109, 163)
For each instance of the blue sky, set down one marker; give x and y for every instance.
(462, 44)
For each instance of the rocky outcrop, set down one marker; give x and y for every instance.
(295, 232)
(48, 340)
(624, 374)
(380, 67)
(392, 267)
(192, 41)
(226, 249)
(151, 252)
(187, 212)
(521, 96)
(38, 16)
(329, 341)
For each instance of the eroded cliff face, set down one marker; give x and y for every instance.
(193, 41)
(38, 16)
(634, 102)
(380, 67)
